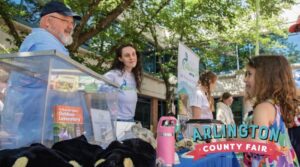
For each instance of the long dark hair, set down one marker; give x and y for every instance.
(137, 70)
(274, 80)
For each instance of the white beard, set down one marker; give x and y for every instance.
(66, 39)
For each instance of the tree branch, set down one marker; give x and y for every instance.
(162, 5)
(92, 7)
(103, 24)
(9, 23)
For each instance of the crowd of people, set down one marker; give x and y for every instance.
(272, 91)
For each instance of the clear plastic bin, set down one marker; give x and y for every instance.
(48, 97)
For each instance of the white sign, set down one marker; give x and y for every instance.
(188, 76)
(188, 70)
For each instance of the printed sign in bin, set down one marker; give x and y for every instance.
(103, 117)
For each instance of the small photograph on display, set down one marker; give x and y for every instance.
(182, 119)
(183, 104)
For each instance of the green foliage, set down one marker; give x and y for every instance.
(213, 27)
(216, 30)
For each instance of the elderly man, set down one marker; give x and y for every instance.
(56, 27)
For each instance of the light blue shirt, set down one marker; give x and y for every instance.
(127, 96)
(40, 39)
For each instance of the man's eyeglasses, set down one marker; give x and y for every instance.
(64, 20)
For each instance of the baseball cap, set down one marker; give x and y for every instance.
(58, 7)
(295, 27)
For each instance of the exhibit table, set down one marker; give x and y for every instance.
(222, 159)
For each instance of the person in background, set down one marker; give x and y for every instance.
(57, 23)
(202, 102)
(126, 70)
(275, 105)
(224, 112)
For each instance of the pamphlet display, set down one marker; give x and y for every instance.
(102, 127)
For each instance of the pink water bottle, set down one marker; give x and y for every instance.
(166, 140)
